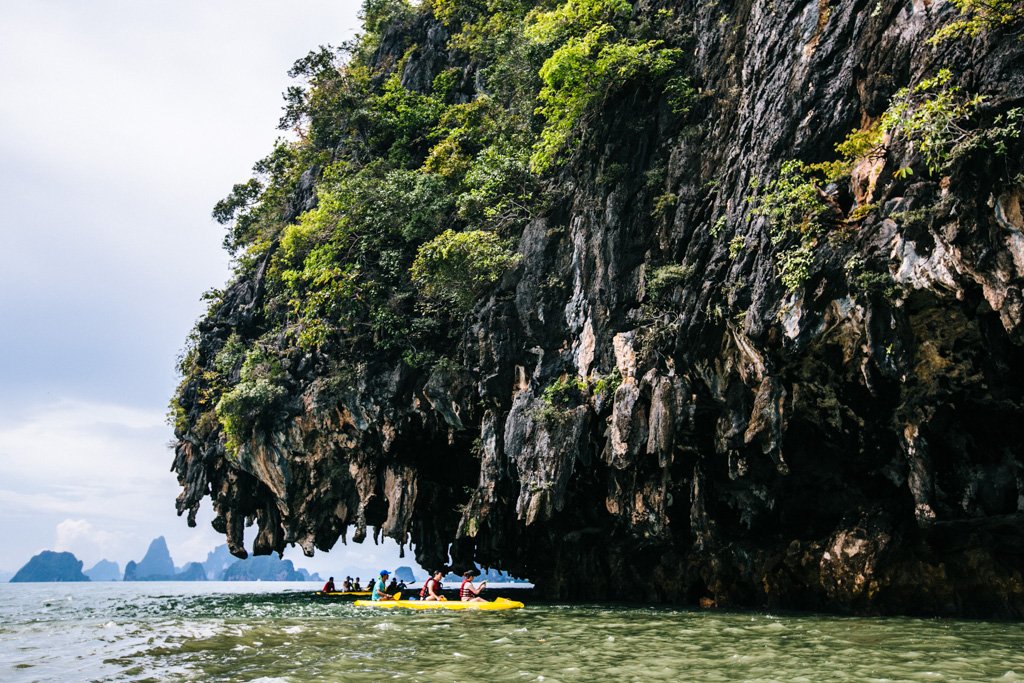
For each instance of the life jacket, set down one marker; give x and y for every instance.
(425, 591)
(465, 592)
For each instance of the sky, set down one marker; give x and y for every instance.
(122, 122)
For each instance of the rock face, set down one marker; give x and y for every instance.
(854, 443)
(104, 570)
(51, 566)
(157, 564)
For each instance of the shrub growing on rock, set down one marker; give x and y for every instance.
(457, 267)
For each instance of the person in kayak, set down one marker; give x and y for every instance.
(329, 586)
(432, 588)
(379, 587)
(467, 591)
(356, 586)
(346, 585)
(393, 586)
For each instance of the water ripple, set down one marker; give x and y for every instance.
(257, 632)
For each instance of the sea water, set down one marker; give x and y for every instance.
(282, 632)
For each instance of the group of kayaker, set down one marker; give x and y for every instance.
(468, 592)
(382, 590)
(347, 585)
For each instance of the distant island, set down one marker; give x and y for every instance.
(104, 570)
(265, 568)
(217, 561)
(51, 566)
(220, 565)
(405, 574)
(157, 565)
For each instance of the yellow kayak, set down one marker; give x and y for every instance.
(496, 604)
(336, 593)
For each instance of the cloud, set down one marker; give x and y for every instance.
(84, 467)
(89, 544)
(83, 443)
(122, 123)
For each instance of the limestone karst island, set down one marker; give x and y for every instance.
(542, 340)
(718, 298)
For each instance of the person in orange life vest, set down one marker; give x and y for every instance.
(467, 591)
(329, 586)
(432, 588)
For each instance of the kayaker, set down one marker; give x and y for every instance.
(393, 586)
(379, 591)
(329, 586)
(356, 585)
(432, 588)
(467, 591)
(346, 585)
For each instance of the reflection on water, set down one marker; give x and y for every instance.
(257, 632)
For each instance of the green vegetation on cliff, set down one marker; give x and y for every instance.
(403, 188)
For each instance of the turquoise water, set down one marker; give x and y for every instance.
(279, 632)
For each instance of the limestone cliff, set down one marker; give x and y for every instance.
(796, 388)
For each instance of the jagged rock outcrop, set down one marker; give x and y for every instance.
(50, 566)
(854, 443)
(156, 565)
